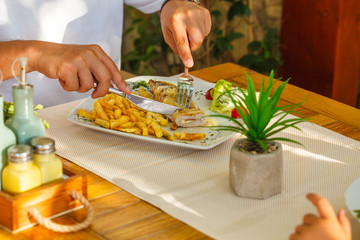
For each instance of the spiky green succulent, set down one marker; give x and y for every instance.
(260, 111)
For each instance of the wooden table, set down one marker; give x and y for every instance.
(120, 215)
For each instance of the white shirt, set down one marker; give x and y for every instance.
(65, 21)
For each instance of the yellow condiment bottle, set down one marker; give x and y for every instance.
(44, 157)
(21, 174)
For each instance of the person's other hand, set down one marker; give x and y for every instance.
(326, 226)
(77, 67)
(184, 26)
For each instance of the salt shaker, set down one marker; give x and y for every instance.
(44, 157)
(21, 174)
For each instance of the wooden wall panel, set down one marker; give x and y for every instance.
(320, 46)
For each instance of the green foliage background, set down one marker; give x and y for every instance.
(150, 55)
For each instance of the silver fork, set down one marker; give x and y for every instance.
(185, 89)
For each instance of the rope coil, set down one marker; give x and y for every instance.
(46, 222)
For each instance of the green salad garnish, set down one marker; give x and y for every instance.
(135, 85)
(222, 102)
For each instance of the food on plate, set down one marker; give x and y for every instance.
(166, 93)
(221, 102)
(86, 114)
(208, 94)
(117, 113)
(189, 136)
(236, 114)
(144, 93)
(189, 117)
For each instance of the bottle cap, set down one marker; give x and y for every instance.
(43, 145)
(20, 153)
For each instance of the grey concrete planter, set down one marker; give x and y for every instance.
(255, 175)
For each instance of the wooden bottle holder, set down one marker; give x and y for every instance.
(51, 200)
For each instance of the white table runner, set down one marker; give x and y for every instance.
(193, 185)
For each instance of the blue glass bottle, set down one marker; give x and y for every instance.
(24, 123)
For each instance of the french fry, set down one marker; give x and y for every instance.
(142, 113)
(144, 129)
(128, 130)
(130, 113)
(109, 113)
(118, 122)
(151, 130)
(126, 104)
(100, 111)
(189, 136)
(148, 121)
(117, 113)
(144, 93)
(157, 129)
(139, 118)
(118, 102)
(86, 114)
(102, 122)
(105, 104)
(112, 103)
(163, 121)
(127, 125)
(109, 96)
(159, 118)
(138, 131)
(167, 135)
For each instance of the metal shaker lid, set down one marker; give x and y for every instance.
(43, 145)
(20, 153)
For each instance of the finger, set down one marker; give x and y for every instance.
(103, 77)
(344, 222)
(114, 71)
(310, 219)
(170, 41)
(86, 80)
(294, 236)
(322, 205)
(182, 44)
(69, 80)
(206, 22)
(195, 38)
(300, 229)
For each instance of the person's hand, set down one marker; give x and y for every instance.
(77, 67)
(184, 26)
(328, 226)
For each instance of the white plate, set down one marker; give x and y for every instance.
(213, 137)
(352, 197)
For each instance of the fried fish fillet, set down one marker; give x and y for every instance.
(166, 92)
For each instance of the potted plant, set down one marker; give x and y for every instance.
(256, 160)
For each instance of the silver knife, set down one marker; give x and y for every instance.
(146, 103)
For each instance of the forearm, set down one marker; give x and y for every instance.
(11, 50)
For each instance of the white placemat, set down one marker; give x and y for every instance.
(193, 186)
